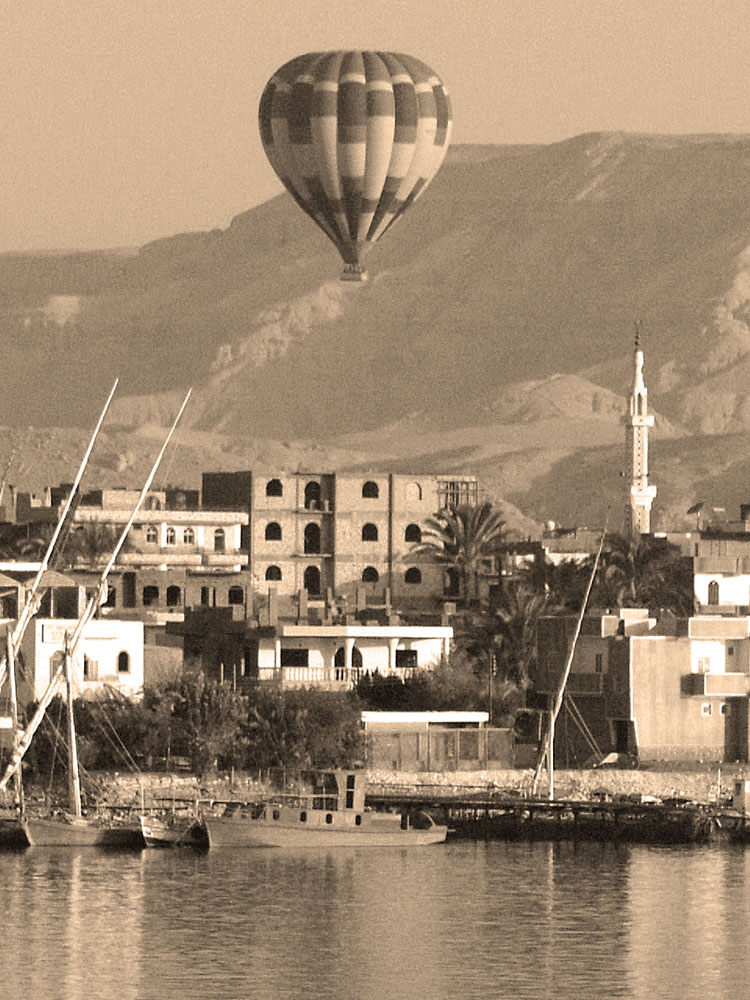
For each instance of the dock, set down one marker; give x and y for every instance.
(499, 815)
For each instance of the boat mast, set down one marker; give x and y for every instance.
(93, 603)
(31, 604)
(11, 660)
(547, 749)
(74, 777)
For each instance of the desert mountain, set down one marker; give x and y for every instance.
(494, 334)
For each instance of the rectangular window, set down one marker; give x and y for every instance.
(599, 662)
(706, 708)
(295, 657)
(730, 650)
(406, 658)
(704, 666)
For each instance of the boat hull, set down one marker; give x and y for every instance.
(160, 833)
(224, 832)
(71, 832)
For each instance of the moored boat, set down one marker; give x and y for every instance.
(172, 831)
(67, 830)
(328, 811)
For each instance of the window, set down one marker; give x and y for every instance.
(414, 491)
(369, 533)
(704, 664)
(152, 533)
(370, 575)
(274, 488)
(236, 595)
(713, 592)
(406, 658)
(174, 596)
(273, 573)
(726, 708)
(706, 708)
(413, 575)
(370, 490)
(188, 536)
(413, 533)
(730, 650)
(207, 596)
(311, 580)
(219, 540)
(111, 601)
(451, 583)
(90, 669)
(150, 596)
(312, 495)
(295, 657)
(599, 662)
(312, 538)
(123, 663)
(273, 532)
(171, 536)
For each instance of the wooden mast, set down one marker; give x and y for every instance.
(547, 749)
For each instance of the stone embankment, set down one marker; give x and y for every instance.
(697, 783)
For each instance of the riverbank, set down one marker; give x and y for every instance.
(701, 783)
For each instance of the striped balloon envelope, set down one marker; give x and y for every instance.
(355, 137)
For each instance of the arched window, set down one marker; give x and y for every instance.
(219, 540)
(413, 533)
(273, 573)
(273, 532)
(413, 491)
(188, 536)
(236, 595)
(369, 533)
(152, 533)
(413, 575)
(174, 596)
(312, 495)
(123, 663)
(370, 575)
(150, 596)
(274, 488)
(312, 538)
(370, 490)
(713, 592)
(312, 580)
(171, 536)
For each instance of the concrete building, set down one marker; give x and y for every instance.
(656, 689)
(299, 652)
(337, 532)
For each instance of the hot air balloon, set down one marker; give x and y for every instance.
(355, 137)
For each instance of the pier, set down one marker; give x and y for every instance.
(488, 815)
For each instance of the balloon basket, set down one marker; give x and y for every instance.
(353, 274)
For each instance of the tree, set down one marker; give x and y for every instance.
(459, 538)
(644, 572)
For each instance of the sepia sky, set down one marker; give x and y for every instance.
(122, 121)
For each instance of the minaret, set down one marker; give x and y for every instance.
(637, 422)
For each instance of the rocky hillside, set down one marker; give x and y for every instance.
(494, 335)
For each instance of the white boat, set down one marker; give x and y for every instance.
(328, 812)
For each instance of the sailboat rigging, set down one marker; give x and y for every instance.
(75, 830)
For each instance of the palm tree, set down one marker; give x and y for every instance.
(517, 615)
(644, 572)
(459, 538)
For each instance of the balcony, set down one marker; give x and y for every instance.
(722, 685)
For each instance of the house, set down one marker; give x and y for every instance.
(662, 688)
(298, 652)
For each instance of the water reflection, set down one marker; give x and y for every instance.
(477, 920)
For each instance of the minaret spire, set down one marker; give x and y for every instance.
(637, 422)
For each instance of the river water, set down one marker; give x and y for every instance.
(459, 920)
